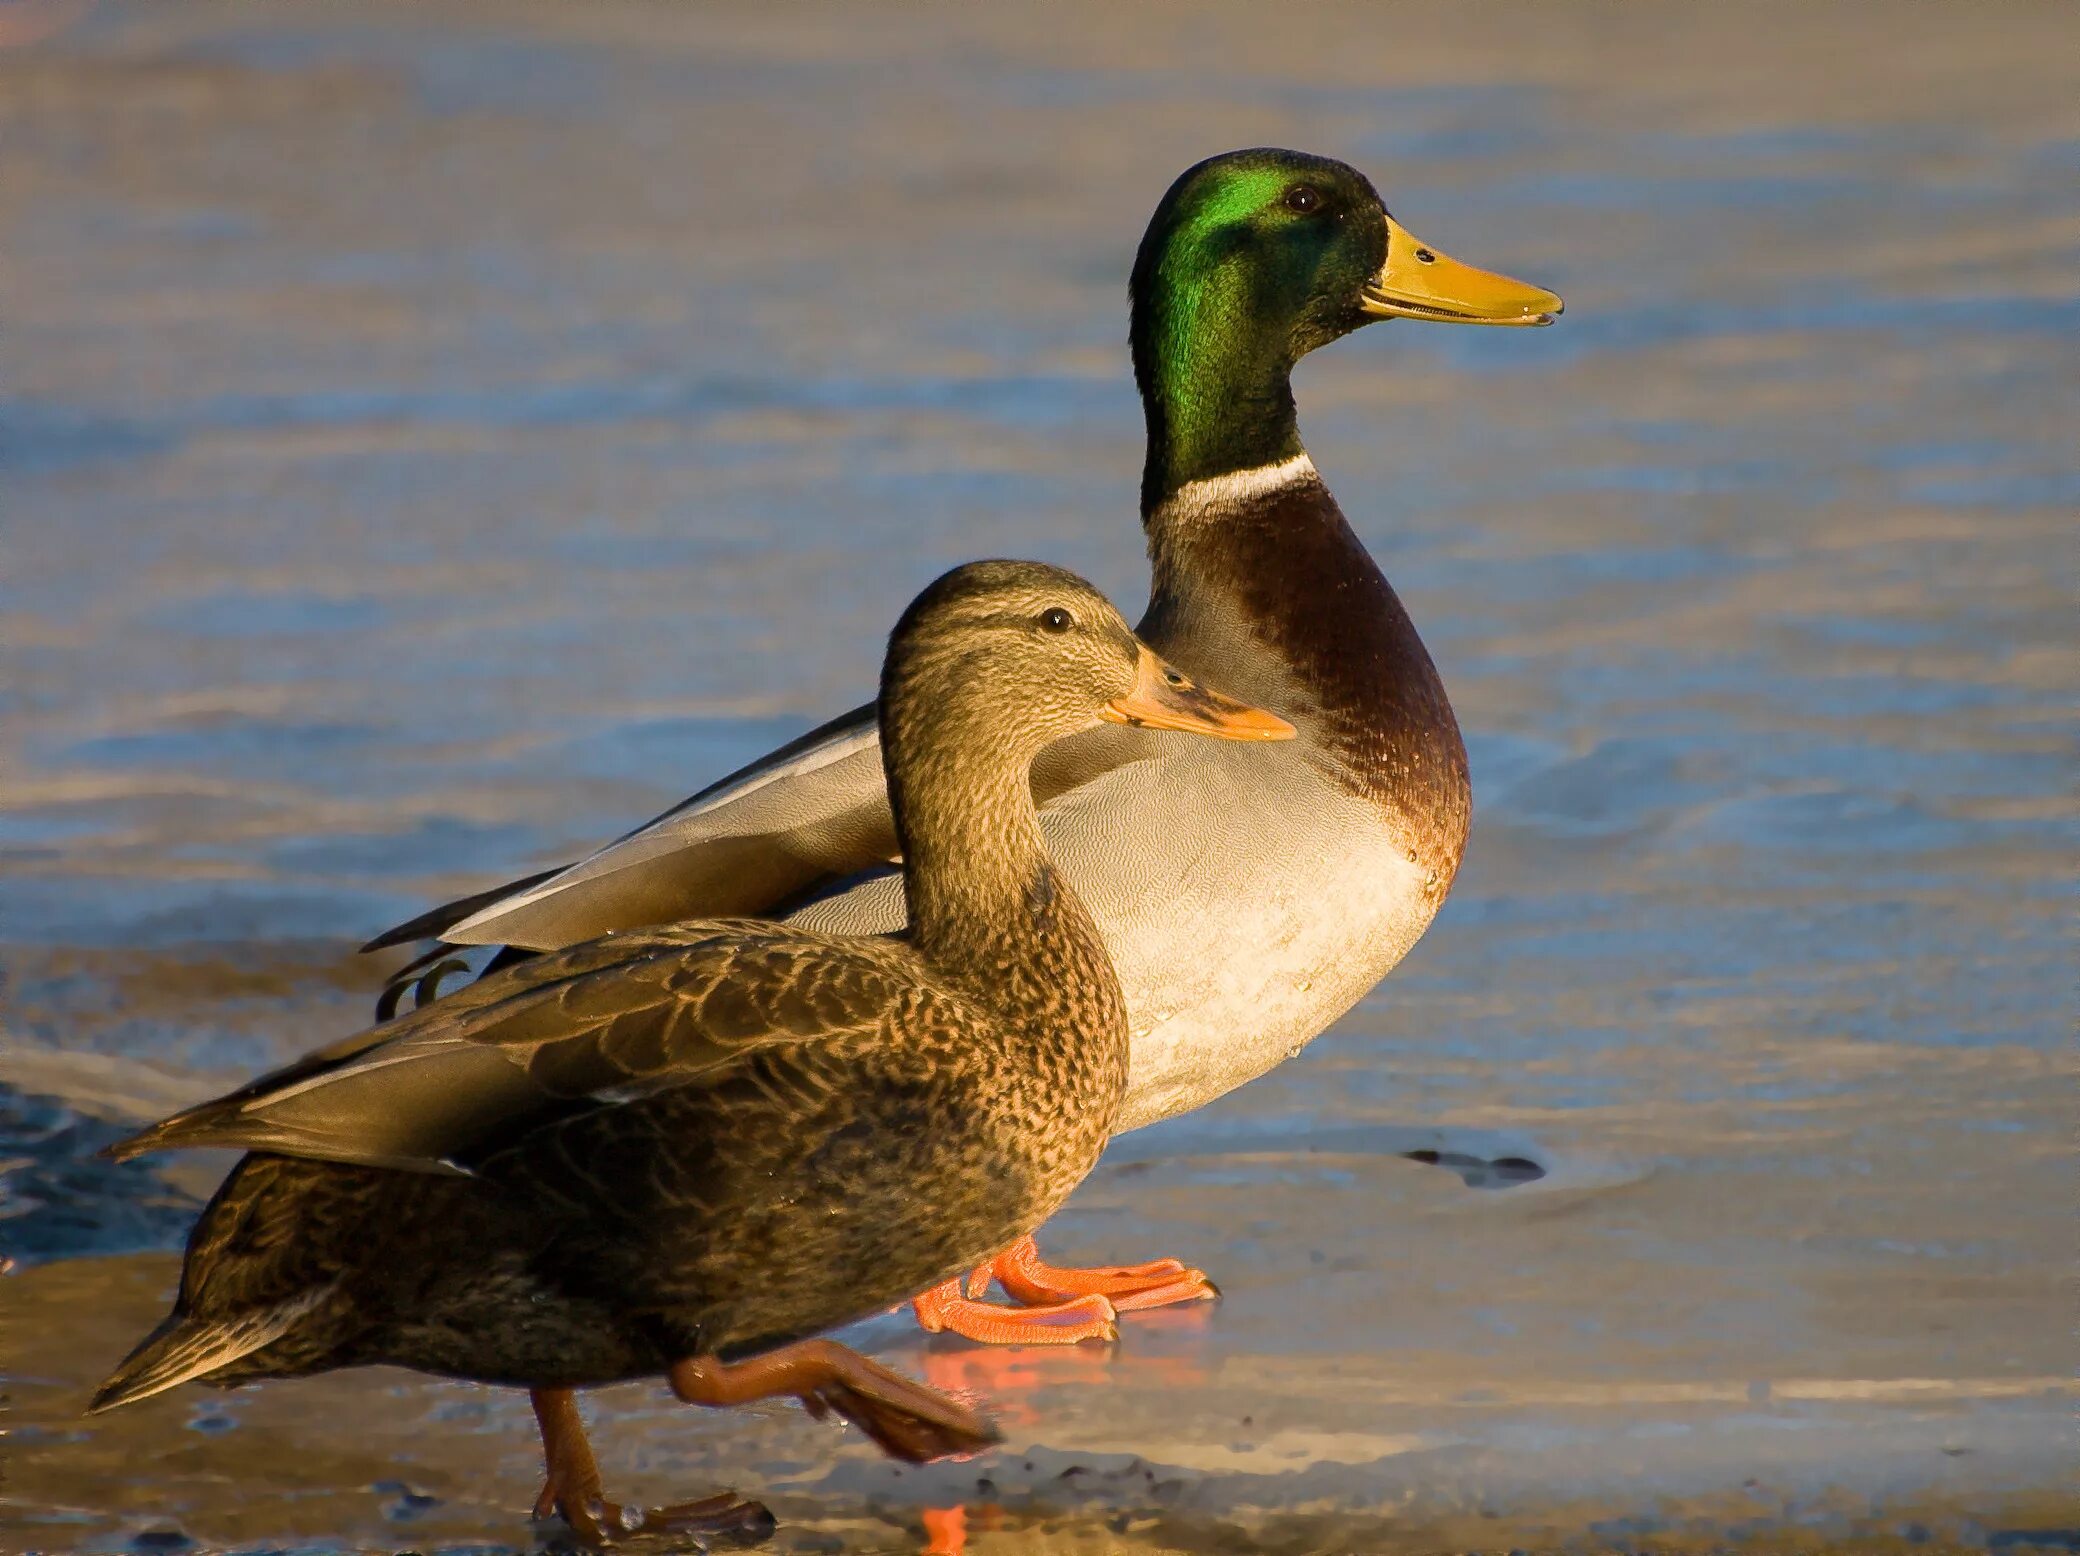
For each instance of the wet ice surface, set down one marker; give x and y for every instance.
(437, 439)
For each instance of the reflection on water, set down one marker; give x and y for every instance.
(434, 440)
(1477, 1172)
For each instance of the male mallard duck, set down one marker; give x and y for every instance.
(1247, 900)
(689, 1150)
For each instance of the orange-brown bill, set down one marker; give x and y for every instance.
(1165, 698)
(1420, 282)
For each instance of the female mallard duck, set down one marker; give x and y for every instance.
(689, 1150)
(1260, 897)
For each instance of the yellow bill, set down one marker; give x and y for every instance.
(1420, 282)
(1165, 698)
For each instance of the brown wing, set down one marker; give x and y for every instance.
(606, 1022)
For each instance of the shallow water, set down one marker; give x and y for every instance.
(437, 437)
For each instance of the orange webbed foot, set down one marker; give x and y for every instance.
(905, 1419)
(1131, 1288)
(572, 1491)
(598, 1522)
(947, 1310)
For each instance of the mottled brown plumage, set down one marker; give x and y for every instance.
(672, 1150)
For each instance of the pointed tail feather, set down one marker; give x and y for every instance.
(436, 922)
(162, 1136)
(182, 1348)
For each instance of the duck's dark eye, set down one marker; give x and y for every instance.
(1056, 619)
(1303, 198)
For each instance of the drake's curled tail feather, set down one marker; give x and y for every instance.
(182, 1348)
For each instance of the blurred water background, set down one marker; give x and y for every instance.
(434, 437)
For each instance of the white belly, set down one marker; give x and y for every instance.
(1263, 982)
(1247, 905)
(1246, 901)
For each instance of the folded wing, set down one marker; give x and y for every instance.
(795, 825)
(813, 810)
(606, 1022)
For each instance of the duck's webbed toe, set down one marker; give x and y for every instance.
(948, 1310)
(572, 1491)
(1132, 1288)
(905, 1419)
(1057, 1304)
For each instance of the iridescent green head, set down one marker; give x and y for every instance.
(1253, 259)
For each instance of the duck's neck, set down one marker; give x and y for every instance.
(986, 905)
(1217, 391)
(972, 853)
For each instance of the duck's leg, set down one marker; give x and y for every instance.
(907, 1420)
(572, 1488)
(948, 1310)
(1131, 1288)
